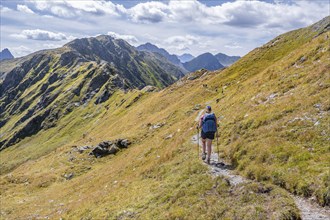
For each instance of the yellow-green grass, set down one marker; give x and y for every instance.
(162, 178)
(154, 178)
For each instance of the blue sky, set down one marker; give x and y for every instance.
(179, 26)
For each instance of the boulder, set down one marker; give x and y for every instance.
(68, 176)
(168, 137)
(149, 89)
(122, 143)
(98, 152)
(113, 149)
(105, 144)
(109, 147)
(156, 126)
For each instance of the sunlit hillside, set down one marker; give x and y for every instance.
(273, 107)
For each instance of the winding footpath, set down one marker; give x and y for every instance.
(308, 210)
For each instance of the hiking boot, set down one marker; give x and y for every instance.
(208, 161)
(203, 156)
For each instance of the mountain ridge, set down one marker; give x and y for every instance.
(153, 48)
(180, 61)
(106, 63)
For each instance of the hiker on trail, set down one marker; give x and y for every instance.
(208, 123)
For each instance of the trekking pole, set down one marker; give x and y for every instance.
(218, 144)
(197, 142)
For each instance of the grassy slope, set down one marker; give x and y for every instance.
(154, 178)
(158, 177)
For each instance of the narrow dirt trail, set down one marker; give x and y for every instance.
(308, 210)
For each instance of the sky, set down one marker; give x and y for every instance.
(179, 26)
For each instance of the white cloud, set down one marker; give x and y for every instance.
(187, 39)
(70, 8)
(129, 38)
(41, 35)
(62, 11)
(25, 9)
(233, 45)
(21, 50)
(149, 12)
(181, 43)
(237, 14)
(4, 9)
(51, 45)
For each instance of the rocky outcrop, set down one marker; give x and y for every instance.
(109, 147)
(149, 89)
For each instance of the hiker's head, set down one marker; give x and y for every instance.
(208, 109)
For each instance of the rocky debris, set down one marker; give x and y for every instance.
(82, 148)
(156, 126)
(304, 118)
(109, 147)
(271, 97)
(302, 59)
(197, 107)
(149, 89)
(193, 77)
(318, 106)
(168, 137)
(260, 99)
(68, 176)
(126, 214)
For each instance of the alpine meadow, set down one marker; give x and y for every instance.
(100, 129)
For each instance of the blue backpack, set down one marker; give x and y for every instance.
(209, 123)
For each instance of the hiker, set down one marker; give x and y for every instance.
(208, 123)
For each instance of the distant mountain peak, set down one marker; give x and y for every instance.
(203, 61)
(153, 48)
(186, 57)
(5, 54)
(226, 60)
